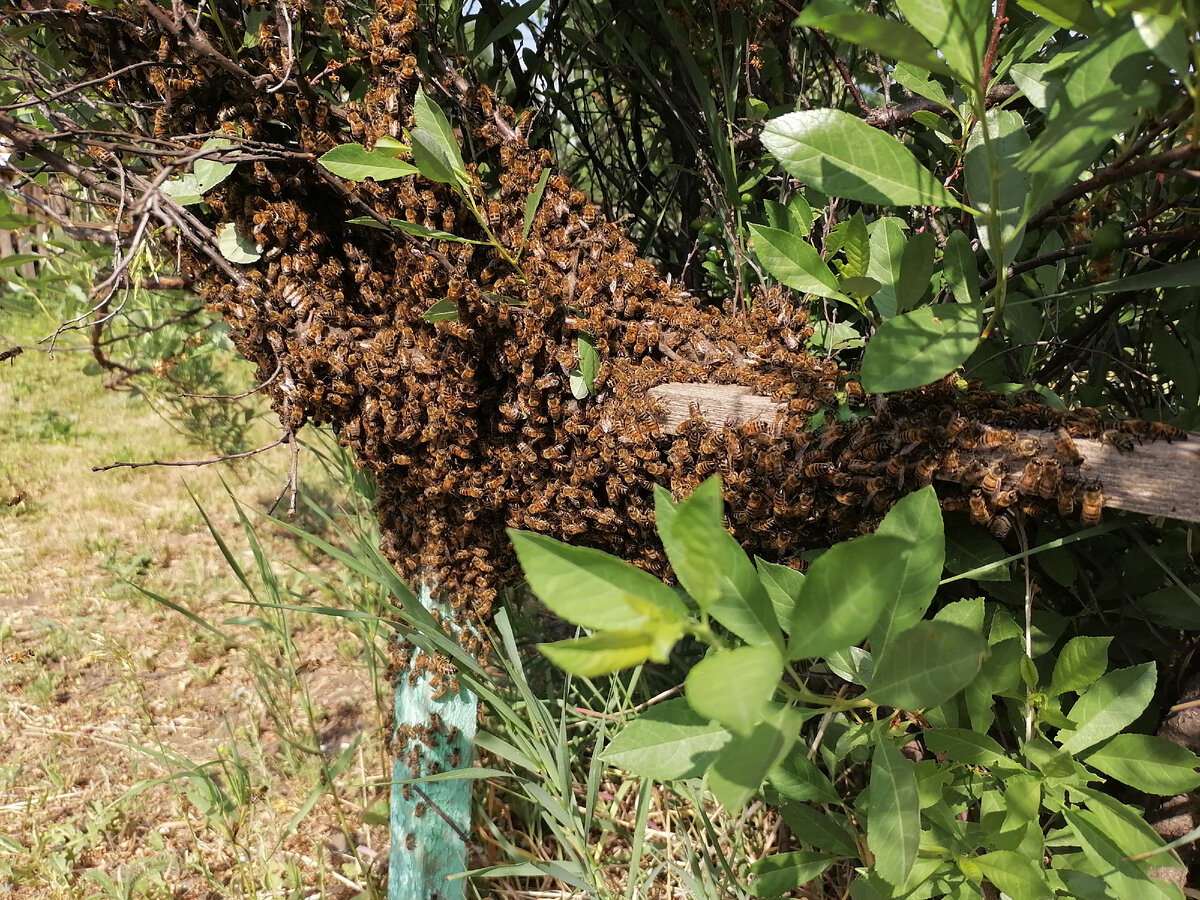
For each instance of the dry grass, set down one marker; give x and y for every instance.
(109, 696)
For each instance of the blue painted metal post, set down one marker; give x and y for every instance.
(430, 822)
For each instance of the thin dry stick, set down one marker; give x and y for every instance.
(194, 463)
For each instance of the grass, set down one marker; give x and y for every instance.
(143, 755)
(236, 750)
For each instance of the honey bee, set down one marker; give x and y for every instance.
(1048, 482)
(1152, 431)
(979, 509)
(1122, 440)
(1064, 446)
(1093, 504)
(911, 435)
(1025, 448)
(19, 656)
(994, 478)
(1030, 476)
(925, 470)
(999, 437)
(1066, 498)
(17, 499)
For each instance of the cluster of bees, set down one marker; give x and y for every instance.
(470, 423)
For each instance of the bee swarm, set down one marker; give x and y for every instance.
(470, 423)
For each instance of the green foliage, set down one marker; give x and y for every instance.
(944, 808)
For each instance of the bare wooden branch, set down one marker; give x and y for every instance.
(1156, 478)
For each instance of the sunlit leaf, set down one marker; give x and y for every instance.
(919, 347)
(927, 665)
(1148, 763)
(844, 592)
(894, 824)
(794, 262)
(234, 247)
(712, 566)
(733, 687)
(355, 163)
(843, 156)
(1110, 704)
(668, 741)
(600, 654)
(592, 588)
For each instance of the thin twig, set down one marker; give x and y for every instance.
(195, 463)
(842, 70)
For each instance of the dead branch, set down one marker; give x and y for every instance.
(1155, 479)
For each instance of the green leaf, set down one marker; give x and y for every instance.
(919, 347)
(927, 665)
(669, 741)
(818, 829)
(843, 156)
(1108, 706)
(355, 163)
(420, 230)
(432, 161)
(854, 664)
(958, 264)
(1014, 874)
(916, 518)
(1184, 274)
(234, 247)
(19, 259)
(533, 201)
(734, 687)
(589, 365)
(209, 173)
(430, 119)
(850, 238)
(1122, 878)
(591, 588)
(974, 550)
(799, 780)
(1048, 759)
(892, 40)
(894, 820)
(844, 592)
(1165, 36)
(183, 189)
(445, 310)
(887, 251)
(506, 26)
(1148, 763)
(917, 79)
(794, 262)
(1082, 660)
(1007, 139)
(712, 566)
(964, 746)
(783, 872)
(1127, 828)
(916, 270)
(859, 286)
(600, 654)
(957, 28)
(738, 771)
(783, 586)
(1103, 86)
(1076, 15)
